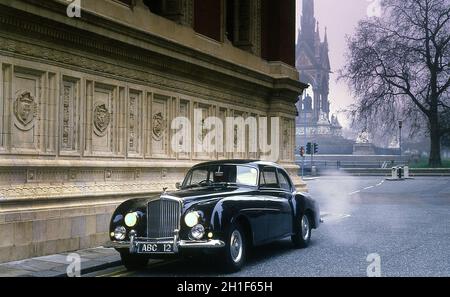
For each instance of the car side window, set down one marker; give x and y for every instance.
(285, 184)
(268, 178)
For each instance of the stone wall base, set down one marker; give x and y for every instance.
(42, 232)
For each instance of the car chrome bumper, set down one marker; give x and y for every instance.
(183, 244)
(117, 244)
(206, 244)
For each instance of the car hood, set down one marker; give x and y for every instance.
(208, 193)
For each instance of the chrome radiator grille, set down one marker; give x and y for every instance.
(163, 217)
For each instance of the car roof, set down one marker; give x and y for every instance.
(258, 163)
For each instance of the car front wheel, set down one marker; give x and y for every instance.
(302, 236)
(235, 249)
(133, 261)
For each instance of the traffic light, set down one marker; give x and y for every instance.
(302, 151)
(308, 148)
(316, 148)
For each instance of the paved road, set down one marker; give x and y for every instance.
(407, 223)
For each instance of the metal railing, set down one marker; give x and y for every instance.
(324, 165)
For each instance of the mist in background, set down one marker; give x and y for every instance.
(340, 17)
(335, 202)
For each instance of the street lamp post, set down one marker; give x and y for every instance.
(400, 125)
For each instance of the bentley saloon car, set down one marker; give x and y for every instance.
(222, 208)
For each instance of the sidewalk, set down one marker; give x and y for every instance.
(56, 265)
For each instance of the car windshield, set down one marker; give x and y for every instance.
(222, 175)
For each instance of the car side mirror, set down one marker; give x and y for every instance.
(178, 186)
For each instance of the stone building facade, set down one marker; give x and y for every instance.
(86, 103)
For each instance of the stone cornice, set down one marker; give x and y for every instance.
(16, 163)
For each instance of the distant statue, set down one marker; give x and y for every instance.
(307, 103)
(335, 121)
(393, 144)
(363, 137)
(323, 118)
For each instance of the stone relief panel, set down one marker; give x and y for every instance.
(104, 101)
(284, 139)
(70, 107)
(222, 133)
(185, 144)
(287, 144)
(135, 119)
(201, 130)
(27, 93)
(253, 141)
(159, 121)
(238, 139)
(25, 110)
(102, 118)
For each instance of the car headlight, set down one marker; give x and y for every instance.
(198, 231)
(191, 219)
(120, 233)
(131, 219)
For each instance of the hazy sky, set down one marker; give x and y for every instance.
(340, 17)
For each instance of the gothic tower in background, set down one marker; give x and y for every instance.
(313, 63)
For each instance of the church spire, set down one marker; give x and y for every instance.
(317, 41)
(308, 21)
(308, 7)
(318, 31)
(325, 51)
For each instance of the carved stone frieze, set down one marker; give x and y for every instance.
(24, 191)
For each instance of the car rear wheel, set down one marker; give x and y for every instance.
(133, 261)
(302, 235)
(234, 254)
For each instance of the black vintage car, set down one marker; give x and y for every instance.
(221, 207)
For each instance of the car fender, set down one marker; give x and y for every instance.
(304, 203)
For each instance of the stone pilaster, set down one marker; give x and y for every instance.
(282, 105)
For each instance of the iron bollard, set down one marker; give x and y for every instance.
(400, 172)
(394, 172)
(313, 171)
(406, 171)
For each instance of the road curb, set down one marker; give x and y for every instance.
(413, 172)
(95, 268)
(81, 262)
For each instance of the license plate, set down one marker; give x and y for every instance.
(154, 248)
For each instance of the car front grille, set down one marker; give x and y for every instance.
(163, 217)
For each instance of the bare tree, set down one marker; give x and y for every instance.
(399, 69)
